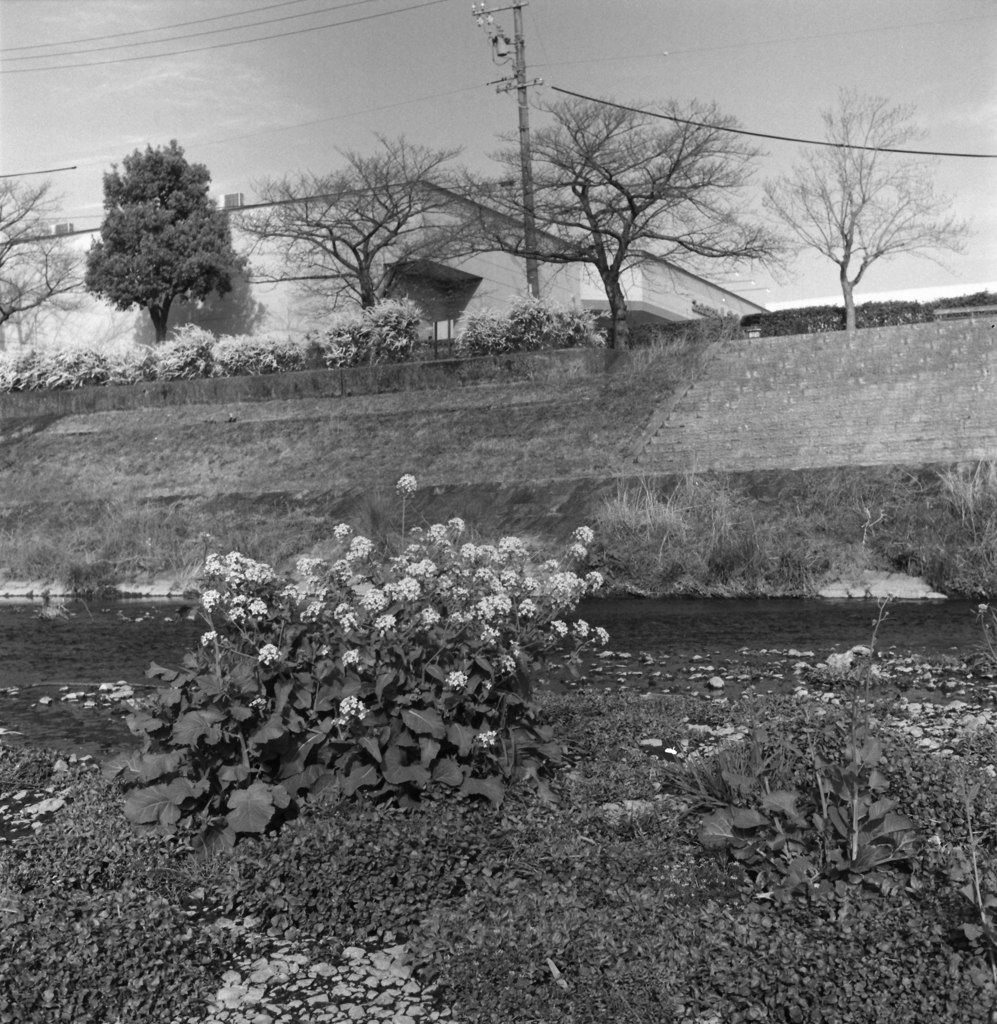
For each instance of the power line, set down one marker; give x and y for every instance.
(766, 42)
(27, 174)
(194, 35)
(461, 192)
(143, 31)
(778, 138)
(220, 46)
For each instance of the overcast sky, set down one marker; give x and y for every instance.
(291, 94)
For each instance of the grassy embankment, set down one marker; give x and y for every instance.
(128, 495)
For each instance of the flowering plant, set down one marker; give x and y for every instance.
(401, 677)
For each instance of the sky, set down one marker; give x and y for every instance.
(262, 100)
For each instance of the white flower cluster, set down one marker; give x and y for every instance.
(342, 531)
(268, 654)
(209, 600)
(457, 525)
(384, 622)
(406, 485)
(487, 739)
(374, 600)
(351, 657)
(236, 569)
(456, 681)
(406, 589)
(491, 606)
(208, 638)
(429, 616)
(583, 535)
(308, 566)
(350, 707)
(437, 533)
(360, 548)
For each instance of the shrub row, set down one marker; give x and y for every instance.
(386, 333)
(817, 319)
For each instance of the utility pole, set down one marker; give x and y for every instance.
(500, 47)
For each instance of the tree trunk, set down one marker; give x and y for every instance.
(619, 332)
(160, 316)
(849, 296)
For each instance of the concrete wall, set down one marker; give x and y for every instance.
(918, 393)
(444, 373)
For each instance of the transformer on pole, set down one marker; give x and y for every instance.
(500, 48)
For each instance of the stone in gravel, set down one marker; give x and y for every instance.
(716, 683)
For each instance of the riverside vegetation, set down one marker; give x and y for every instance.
(101, 499)
(359, 755)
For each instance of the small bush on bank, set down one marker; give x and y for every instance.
(385, 333)
(266, 353)
(528, 325)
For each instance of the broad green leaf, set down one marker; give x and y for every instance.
(155, 671)
(744, 784)
(370, 745)
(271, 729)
(745, 817)
(878, 781)
(783, 801)
(550, 750)
(366, 775)
(425, 720)
(155, 766)
(152, 805)
(461, 736)
(214, 839)
(179, 790)
(196, 725)
(251, 809)
(233, 773)
(429, 749)
(142, 722)
(128, 763)
(169, 696)
(871, 752)
(447, 771)
(407, 773)
(717, 830)
(491, 787)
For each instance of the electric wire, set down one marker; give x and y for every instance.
(195, 35)
(764, 135)
(145, 31)
(221, 46)
(50, 170)
(766, 42)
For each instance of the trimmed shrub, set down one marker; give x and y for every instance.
(188, 356)
(385, 333)
(242, 355)
(528, 325)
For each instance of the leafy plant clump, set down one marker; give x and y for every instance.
(527, 326)
(385, 333)
(400, 677)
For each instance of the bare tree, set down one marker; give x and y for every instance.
(856, 204)
(37, 268)
(350, 232)
(616, 187)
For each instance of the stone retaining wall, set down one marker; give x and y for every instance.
(911, 394)
(362, 380)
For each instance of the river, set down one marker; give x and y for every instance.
(54, 657)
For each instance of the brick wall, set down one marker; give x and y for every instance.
(909, 394)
